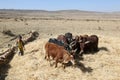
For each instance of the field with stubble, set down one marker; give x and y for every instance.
(103, 65)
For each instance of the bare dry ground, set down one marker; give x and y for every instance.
(103, 65)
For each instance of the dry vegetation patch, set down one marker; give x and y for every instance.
(103, 65)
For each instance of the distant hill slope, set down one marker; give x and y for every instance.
(68, 14)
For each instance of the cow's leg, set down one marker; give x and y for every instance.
(82, 49)
(49, 60)
(63, 65)
(56, 61)
(46, 55)
(96, 48)
(92, 49)
(81, 52)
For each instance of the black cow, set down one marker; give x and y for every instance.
(55, 41)
(60, 43)
(74, 45)
(63, 39)
(69, 38)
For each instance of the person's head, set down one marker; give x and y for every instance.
(19, 37)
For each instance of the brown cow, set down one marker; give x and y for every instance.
(88, 43)
(85, 43)
(58, 53)
(63, 39)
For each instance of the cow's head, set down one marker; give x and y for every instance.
(82, 46)
(83, 41)
(72, 45)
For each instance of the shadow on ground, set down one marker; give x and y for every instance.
(103, 49)
(4, 71)
(99, 49)
(82, 67)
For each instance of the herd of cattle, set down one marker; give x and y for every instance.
(66, 47)
(62, 49)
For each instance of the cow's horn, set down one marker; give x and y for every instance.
(87, 42)
(80, 41)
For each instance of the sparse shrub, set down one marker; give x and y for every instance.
(117, 28)
(99, 28)
(87, 19)
(22, 19)
(26, 23)
(16, 19)
(98, 21)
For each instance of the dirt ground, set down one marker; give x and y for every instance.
(103, 65)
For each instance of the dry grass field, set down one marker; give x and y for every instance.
(103, 65)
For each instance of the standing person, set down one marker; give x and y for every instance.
(20, 45)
